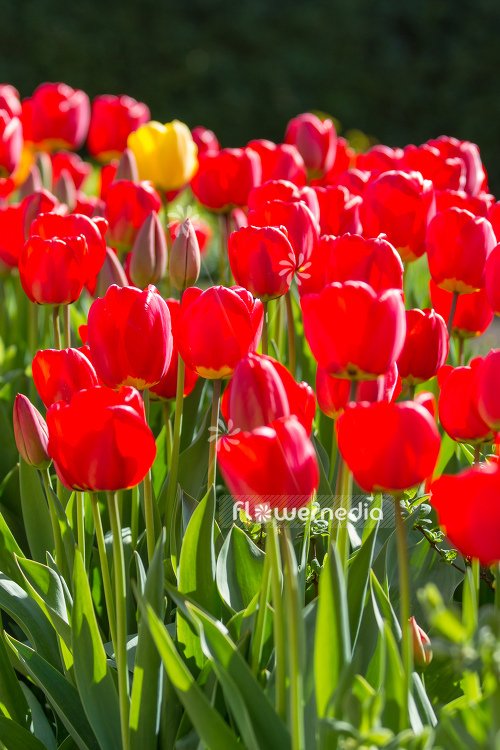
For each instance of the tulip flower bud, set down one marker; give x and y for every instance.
(422, 655)
(31, 433)
(184, 267)
(39, 202)
(32, 183)
(44, 164)
(148, 260)
(111, 273)
(64, 189)
(127, 167)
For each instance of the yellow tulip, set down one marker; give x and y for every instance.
(165, 154)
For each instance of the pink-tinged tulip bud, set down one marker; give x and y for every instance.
(422, 654)
(11, 143)
(205, 139)
(127, 167)
(184, 265)
(148, 259)
(43, 162)
(316, 141)
(32, 183)
(30, 431)
(112, 272)
(202, 229)
(9, 100)
(64, 190)
(40, 202)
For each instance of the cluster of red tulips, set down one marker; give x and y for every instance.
(344, 226)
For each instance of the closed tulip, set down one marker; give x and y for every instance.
(185, 257)
(128, 204)
(273, 466)
(368, 334)
(399, 205)
(339, 210)
(273, 190)
(492, 279)
(112, 272)
(130, 337)
(59, 374)
(262, 260)
(56, 116)
(216, 328)
(148, 259)
(422, 655)
(446, 173)
(53, 272)
(458, 245)
(473, 313)
(374, 261)
(166, 389)
(40, 202)
(201, 228)
(11, 143)
(280, 162)
(479, 205)
(112, 119)
(31, 434)
(388, 446)
(345, 156)
(380, 158)
(205, 139)
(11, 233)
(316, 141)
(486, 390)
(100, 440)
(333, 393)
(76, 167)
(458, 406)
(426, 346)
(165, 154)
(468, 153)
(9, 100)
(224, 179)
(468, 508)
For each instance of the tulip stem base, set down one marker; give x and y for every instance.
(291, 333)
(272, 551)
(260, 627)
(404, 606)
(121, 618)
(214, 434)
(80, 522)
(56, 327)
(67, 327)
(452, 312)
(106, 578)
(174, 460)
(265, 339)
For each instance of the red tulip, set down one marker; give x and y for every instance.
(11, 233)
(302, 228)
(280, 162)
(52, 226)
(107, 175)
(468, 153)
(216, 328)
(494, 218)
(380, 158)
(388, 446)
(316, 141)
(458, 408)
(128, 204)
(77, 168)
(89, 205)
(55, 117)
(273, 466)
(100, 440)
(40, 202)
(368, 334)
(355, 180)
(31, 434)
(166, 389)
(468, 507)
(262, 260)
(479, 205)
(446, 173)
(201, 228)
(339, 211)
(273, 190)
(9, 100)
(344, 158)
(486, 390)
(130, 337)
(492, 279)
(426, 346)
(205, 140)
(112, 120)
(11, 143)
(399, 205)
(334, 393)
(224, 179)
(374, 261)
(422, 655)
(473, 313)
(458, 245)
(59, 374)
(53, 272)
(428, 400)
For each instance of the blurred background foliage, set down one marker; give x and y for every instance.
(399, 71)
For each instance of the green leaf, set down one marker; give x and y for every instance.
(333, 642)
(14, 737)
(11, 695)
(359, 576)
(394, 684)
(240, 567)
(9, 550)
(146, 688)
(35, 512)
(197, 575)
(41, 726)
(159, 468)
(60, 693)
(212, 729)
(93, 675)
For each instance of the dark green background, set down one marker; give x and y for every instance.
(402, 71)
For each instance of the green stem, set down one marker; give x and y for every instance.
(278, 621)
(333, 453)
(404, 605)
(476, 577)
(32, 338)
(461, 360)
(103, 559)
(56, 529)
(496, 568)
(67, 326)
(265, 344)
(343, 542)
(291, 333)
(176, 442)
(260, 625)
(477, 453)
(56, 327)
(121, 618)
(134, 520)
(372, 522)
(80, 522)
(148, 496)
(214, 433)
(452, 312)
(411, 392)
(168, 434)
(278, 324)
